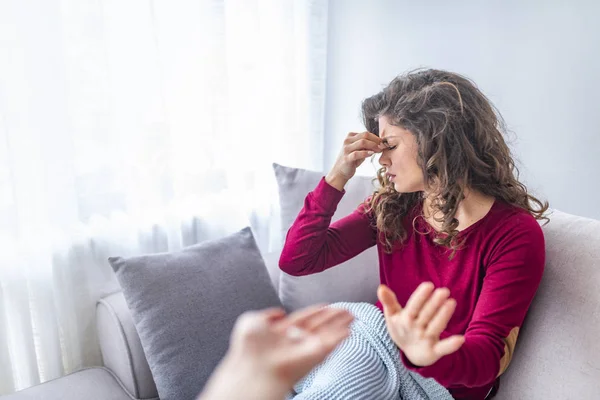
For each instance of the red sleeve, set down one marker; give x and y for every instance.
(313, 245)
(513, 275)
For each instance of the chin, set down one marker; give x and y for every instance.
(407, 188)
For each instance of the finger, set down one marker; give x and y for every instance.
(297, 318)
(448, 345)
(354, 136)
(389, 301)
(432, 305)
(362, 144)
(251, 322)
(315, 348)
(340, 322)
(418, 298)
(440, 320)
(373, 137)
(309, 353)
(273, 314)
(359, 155)
(333, 317)
(331, 338)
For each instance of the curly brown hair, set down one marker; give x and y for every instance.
(460, 137)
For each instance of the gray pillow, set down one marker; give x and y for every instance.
(185, 303)
(354, 280)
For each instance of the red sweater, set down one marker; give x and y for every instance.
(493, 278)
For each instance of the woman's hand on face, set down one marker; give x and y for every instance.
(416, 328)
(357, 147)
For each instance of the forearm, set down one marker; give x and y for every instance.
(306, 242)
(475, 364)
(314, 244)
(236, 380)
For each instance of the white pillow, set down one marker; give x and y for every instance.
(355, 280)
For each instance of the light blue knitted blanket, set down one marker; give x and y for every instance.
(366, 366)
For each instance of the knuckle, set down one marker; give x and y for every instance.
(245, 319)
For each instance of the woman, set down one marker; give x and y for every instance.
(456, 232)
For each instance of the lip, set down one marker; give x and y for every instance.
(390, 177)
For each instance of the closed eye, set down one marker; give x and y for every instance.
(387, 144)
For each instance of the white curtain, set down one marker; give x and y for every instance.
(129, 127)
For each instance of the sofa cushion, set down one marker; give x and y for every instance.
(271, 260)
(558, 351)
(185, 303)
(89, 384)
(354, 280)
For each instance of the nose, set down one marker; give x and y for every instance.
(384, 159)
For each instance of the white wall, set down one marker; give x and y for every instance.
(538, 61)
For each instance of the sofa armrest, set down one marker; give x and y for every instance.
(121, 347)
(90, 384)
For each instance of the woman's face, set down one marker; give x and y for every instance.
(399, 157)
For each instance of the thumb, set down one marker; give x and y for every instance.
(449, 345)
(389, 301)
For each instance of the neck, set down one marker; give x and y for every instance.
(471, 209)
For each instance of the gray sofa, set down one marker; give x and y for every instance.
(557, 355)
